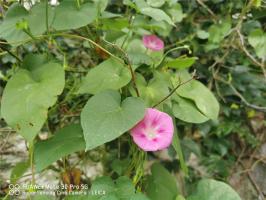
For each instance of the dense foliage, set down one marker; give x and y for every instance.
(78, 77)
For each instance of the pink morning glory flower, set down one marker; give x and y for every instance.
(153, 42)
(154, 132)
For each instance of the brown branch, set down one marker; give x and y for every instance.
(208, 9)
(129, 65)
(173, 91)
(254, 60)
(255, 107)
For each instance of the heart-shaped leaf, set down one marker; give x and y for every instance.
(35, 19)
(257, 39)
(110, 74)
(29, 94)
(66, 141)
(199, 94)
(181, 63)
(75, 17)
(157, 14)
(105, 117)
(208, 189)
(187, 111)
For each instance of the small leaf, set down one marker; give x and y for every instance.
(29, 93)
(257, 39)
(202, 34)
(110, 74)
(151, 92)
(157, 14)
(217, 32)
(155, 3)
(65, 141)
(181, 63)
(208, 189)
(176, 13)
(105, 117)
(19, 169)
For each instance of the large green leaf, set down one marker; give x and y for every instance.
(29, 93)
(208, 189)
(186, 110)
(66, 141)
(161, 184)
(200, 95)
(257, 39)
(105, 117)
(110, 74)
(35, 19)
(69, 16)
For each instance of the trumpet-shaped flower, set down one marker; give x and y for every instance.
(154, 132)
(153, 42)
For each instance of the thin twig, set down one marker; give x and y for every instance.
(173, 91)
(12, 54)
(208, 9)
(128, 64)
(255, 107)
(254, 60)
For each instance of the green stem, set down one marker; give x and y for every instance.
(31, 152)
(78, 3)
(46, 13)
(171, 50)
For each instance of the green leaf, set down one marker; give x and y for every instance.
(202, 34)
(19, 169)
(35, 19)
(155, 3)
(43, 197)
(103, 184)
(208, 189)
(217, 32)
(200, 95)
(176, 13)
(139, 196)
(180, 197)
(110, 74)
(151, 92)
(29, 93)
(157, 14)
(120, 189)
(8, 29)
(68, 16)
(181, 63)
(257, 39)
(161, 184)
(124, 188)
(65, 141)
(105, 117)
(177, 146)
(186, 110)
